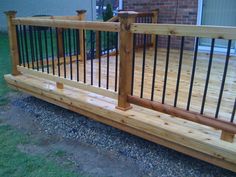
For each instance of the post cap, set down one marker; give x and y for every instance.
(125, 14)
(10, 12)
(81, 11)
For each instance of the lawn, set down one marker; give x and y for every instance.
(5, 63)
(13, 162)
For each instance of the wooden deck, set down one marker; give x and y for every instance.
(229, 94)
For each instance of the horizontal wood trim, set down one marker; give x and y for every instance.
(83, 86)
(216, 32)
(181, 113)
(89, 25)
(55, 17)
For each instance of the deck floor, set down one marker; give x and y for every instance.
(215, 80)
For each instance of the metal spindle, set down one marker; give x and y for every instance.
(208, 75)
(58, 54)
(18, 44)
(233, 112)
(40, 49)
(52, 52)
(46, 49)
(166, 69)
(26, 45)
(193, 73)
(85, 56)
(64, 50)
(108, 59)
(99, 59)
(22, 45)
(143, 66)
(133, 64)
(154, 68)
(92, 54)
(77, 54)
(36, 47)
(31, 45)
(70, 54)
(223, 78)
(116, 62)
(179, 71)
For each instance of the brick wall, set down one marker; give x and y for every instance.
(170, 11)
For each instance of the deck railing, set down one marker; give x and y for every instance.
(67, 41)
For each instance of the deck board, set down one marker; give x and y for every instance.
(229, 94)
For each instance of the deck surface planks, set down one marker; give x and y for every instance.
(229, 93)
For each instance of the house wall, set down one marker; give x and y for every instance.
(170, 11)
(45, 7)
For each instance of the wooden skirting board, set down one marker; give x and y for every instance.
(190, 138)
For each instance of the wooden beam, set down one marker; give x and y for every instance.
(83, 86)
(13, 41)
(73, 24)
(181, 113)
(82, 37)
(216, 32)
(126, 48)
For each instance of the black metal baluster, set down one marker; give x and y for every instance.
(208, 75)
(116, 62)
(223, 79)
(92, 54)
(26, 45)
(166, 69)
(22, 45)
(46, 49)
(179, 71)
(52, 52)
(99, 59)
(154, 68)
(40, 49)
(18, 45)
(108, 59)
(70, 53)
(58, 54)
(133, 63)
(233, 112)
(143, 66)
(193, 73)
(77, 54)
(85, 56)
(36, 47)
(31, 46)
(64, 50)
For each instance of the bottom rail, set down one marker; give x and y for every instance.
(181, 113)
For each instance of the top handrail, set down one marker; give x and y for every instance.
(217, 32)
(57, 23)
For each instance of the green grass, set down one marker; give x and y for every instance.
(15, 163)
(5, 64)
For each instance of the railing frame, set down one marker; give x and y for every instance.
(127, 27)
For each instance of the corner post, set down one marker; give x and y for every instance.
(126, 48)
(154, 20)
(81, 16)
(13, 41)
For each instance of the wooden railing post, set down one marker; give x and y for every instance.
(60, 42)
(97, 44)
(126, 48)
(154, 20)
(13, 42)
(81, 16)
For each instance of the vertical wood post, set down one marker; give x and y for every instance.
(154, 20)
(13, 41)
(60, 42)
(81, 16)
(126, 48)
(97, 44)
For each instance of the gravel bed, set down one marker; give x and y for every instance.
(152, 159)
